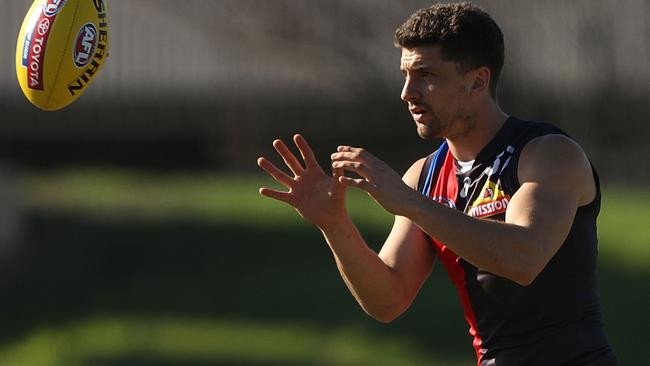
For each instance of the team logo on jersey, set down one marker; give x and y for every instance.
(492, 201)
(488, 193)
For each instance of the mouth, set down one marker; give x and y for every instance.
(417, 112)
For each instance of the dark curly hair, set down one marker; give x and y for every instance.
(464, 32)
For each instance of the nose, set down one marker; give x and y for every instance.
(409, 91)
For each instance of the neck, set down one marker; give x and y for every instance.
(488, 121)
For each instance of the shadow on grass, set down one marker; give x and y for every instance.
(149, 361)
(71, 267)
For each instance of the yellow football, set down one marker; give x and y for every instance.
(61, 47)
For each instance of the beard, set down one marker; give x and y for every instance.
(427, 132)
(434, 127)
(445, 125)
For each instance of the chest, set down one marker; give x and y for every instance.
(482, 192)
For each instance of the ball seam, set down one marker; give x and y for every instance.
(63, 53)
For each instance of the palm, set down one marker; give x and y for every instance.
(316, 193)
(316, 196)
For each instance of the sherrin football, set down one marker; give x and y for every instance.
(61, 47)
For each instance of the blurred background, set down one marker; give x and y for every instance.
(131, 230)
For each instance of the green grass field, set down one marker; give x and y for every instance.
(106, 193)
(130, 268)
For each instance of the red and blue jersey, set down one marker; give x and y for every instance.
(556, 320)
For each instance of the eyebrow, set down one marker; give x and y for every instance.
(418, 67)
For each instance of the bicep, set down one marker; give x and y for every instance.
(556, 178)
(546, 212)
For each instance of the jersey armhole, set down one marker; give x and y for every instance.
(514, 178)
(595, 203)
(424, 172)
(431, 169)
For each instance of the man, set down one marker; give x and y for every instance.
(508, 206)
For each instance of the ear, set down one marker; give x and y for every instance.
(480, 80)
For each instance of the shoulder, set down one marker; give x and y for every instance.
(522, 131)
(557, 160)
(412, 175)
(553, 151)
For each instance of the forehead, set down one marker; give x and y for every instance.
(423, 56)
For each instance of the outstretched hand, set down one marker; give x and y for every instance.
(379, 180)
(316, 196)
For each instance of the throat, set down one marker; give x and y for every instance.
(467, 147)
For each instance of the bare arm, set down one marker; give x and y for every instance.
(555, 178)
(384, 284)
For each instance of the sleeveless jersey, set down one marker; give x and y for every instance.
(556, 320)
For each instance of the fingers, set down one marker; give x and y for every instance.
(336, 173)
(279, 176)
(278, 195)
(349, 152)
(288, 157)
(352, 159)
(349, 149)
(359, 183)
(306, 151)
(274, 172)
(353, 166)
(352, 154)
